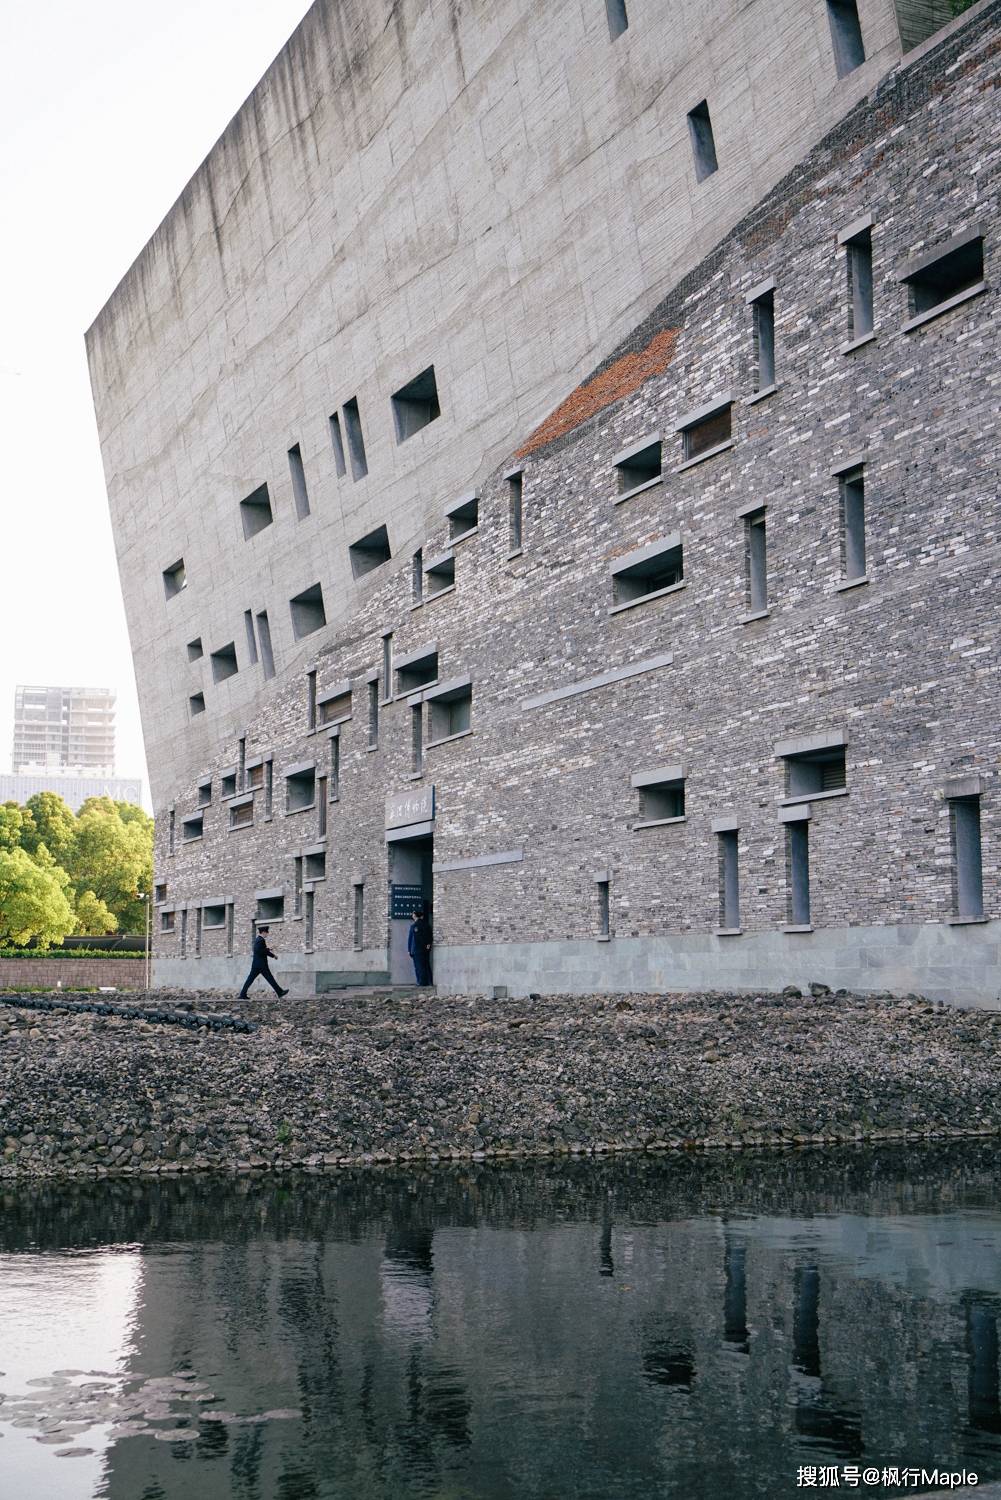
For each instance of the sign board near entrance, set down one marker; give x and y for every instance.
(403, 808)
(405, 900)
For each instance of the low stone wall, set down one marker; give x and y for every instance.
(72, 973)
(175, 1085)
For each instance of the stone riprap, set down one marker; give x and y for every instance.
(380, 1078)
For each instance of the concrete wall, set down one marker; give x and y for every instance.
(72, 973)
(497, 189)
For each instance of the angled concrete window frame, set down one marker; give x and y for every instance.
(267, 651)
(944, 278)
(196, 704)
(337, 445)
(661, 796)
(195, 649)
(255, 512)
(248, 625)
(192, 828)
(369, 552)
(416, 405)
(417, 669)
(638, 467)
(355, 437)
(846, 36)
(618, 20)
(463, 518)
(300, 787)
(300, 493)
(175, 579)
(439, 575)
(815, 767)
(450, 710)
(706, 431)
(223, 662)
(307, 612)
(334, 704)
(647, 573)
(700, 133)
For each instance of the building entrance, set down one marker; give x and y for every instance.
(410, 886)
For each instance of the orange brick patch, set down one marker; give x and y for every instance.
(620, 379)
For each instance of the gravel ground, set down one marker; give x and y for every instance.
(374, 1078)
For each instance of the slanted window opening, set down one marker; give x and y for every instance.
(223, 662)
(450, 709)
(463, 518)
(300, 788)
(515, 512)
(205, 792)
(417, 739)
(337, 444)
(661, 796)
(192, 828)
(300, 493)
(763, 315)
(369, 552)
(417, 669)
(439, 576)
(846, 36)
(415, 405)
(174, 579)
(307, 612)
(248, 625)
(195, 651)
(700, 131)
(618, 20)
(706, 431)
(647, 573)
(356, 439)
(373, 714)
(943, 278)
(729, 881)
(851, 513)
(638, 468)
(417, 576)
(798, 873)
(967, 858)
(196, 704)
(255, 512)
(264, 635)
(756, 562)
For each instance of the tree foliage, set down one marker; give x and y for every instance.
(73, 873)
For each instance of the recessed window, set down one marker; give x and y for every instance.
(706, 431)
(463, 518)
(255, 512)
(370, 552)
(648, 572)
(205, 792)
(359, 915)
(166, 921)
(515, 511)
(858, 269)
(417, 739)
(223, 662)
(196, 704)
(798, 873)
(618, 21)
(604, 908)
(248, 626)
(307, 612)
(945, 277)
(316, 866)
(213, 916)
(271, 908)
(321, 807)
(637, 468)
(815, 770)
(310, 701)
(335, 767)
(195, 652)
(241, 814)
(417, 576)
(334, 705)
(450, 709)
(763, 332)
(297, 886)
(387, 665)
(300, 494)
(174, 579)
(756, 562)
(264, 636)
(417, 669)
(356, 440)
(269, 787)
(171, 825)
(337, 444)
(661, 795)
(255, 775)
(416, 404)
(440, 575)
(700, 131)
(300, 788)
(851, 510)
(373, 714)
(192, 828)
(228, 783)
(729, 880)
(967, 865)
(160, 892)
(846, 36)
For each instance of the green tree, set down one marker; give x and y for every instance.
(11, 825)
(92, 916)
(33, 902)
(112, 858)
(53, 825)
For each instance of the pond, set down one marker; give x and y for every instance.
(684, 1327)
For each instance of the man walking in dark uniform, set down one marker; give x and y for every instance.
(259, 965)
(419, 946)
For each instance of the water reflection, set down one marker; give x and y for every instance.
(450, 1335)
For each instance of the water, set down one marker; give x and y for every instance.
(640, 1327)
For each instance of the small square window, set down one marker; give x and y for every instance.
(166, 921)
(637, 468)
(174, 579)
(223, 662)
(205, 792)
(440, 575)
(255, 512)
(270, 909)
(661, 795)
(196, 704)
(417, 669)
(315, 867)
(227, 784)
(449, 711)
(307, 612)
(814, 773)
(213, 916)
(300, 789)
(192, 828)
(370, 552)
(707, 431)
(463, 518)
(241, 814)
(415, 405)
(195, 652)
(945, 276)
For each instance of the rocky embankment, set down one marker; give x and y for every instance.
(176, 1086)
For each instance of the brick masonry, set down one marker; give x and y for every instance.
(904, 665)
(72, 973)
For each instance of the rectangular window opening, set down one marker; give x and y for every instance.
(184, 933)
(195, 652)
(858, 256)
(846, 36)
(264, 636)
(415, 404)
(223, 662)
(255, 512)
(248, 625)
(637, 470)
(798, 873)
(967, 863)
(192, 828)
(230, 926)
(213, 916)
(307, 938)
(356, 440)
(369, 552)
(269, 788)
(174, 579)
(756, 562)
(373, 715)
(463, 518)
(418, 669)
(729, 882)
(310, 701)
(297, 886)
(321, 807)
(205, 792)
(417, 576)
(160, 892)
(166, 921)
(618, 21)
(335, 704)
(661, 795)
(300, 494)
(648, 572)
(242, 815)
(604, 909)
(315, 867)
(763, 309)
(307, 612)
(515, 511)
(337, 444)
(335, 767)
(270, 909)
(387, 665)
(227, 783)
(700, 130)
(359, 916)
(815, 772)
(947, 274)
(196, 704)
(708, 433)
(851, 508)
(171, 826)
(241, 762)
(450, 712)
(417, 738)
(440, 575)
(300, 789)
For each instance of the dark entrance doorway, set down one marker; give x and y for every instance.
(410, 886)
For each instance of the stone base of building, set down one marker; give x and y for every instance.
(960, 965)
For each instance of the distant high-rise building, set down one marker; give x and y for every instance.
(66, 728)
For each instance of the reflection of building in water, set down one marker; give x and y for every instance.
(538, 1356)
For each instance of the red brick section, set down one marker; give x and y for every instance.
(620, 379)
(72, 973)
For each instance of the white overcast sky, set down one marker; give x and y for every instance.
(106, 109)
